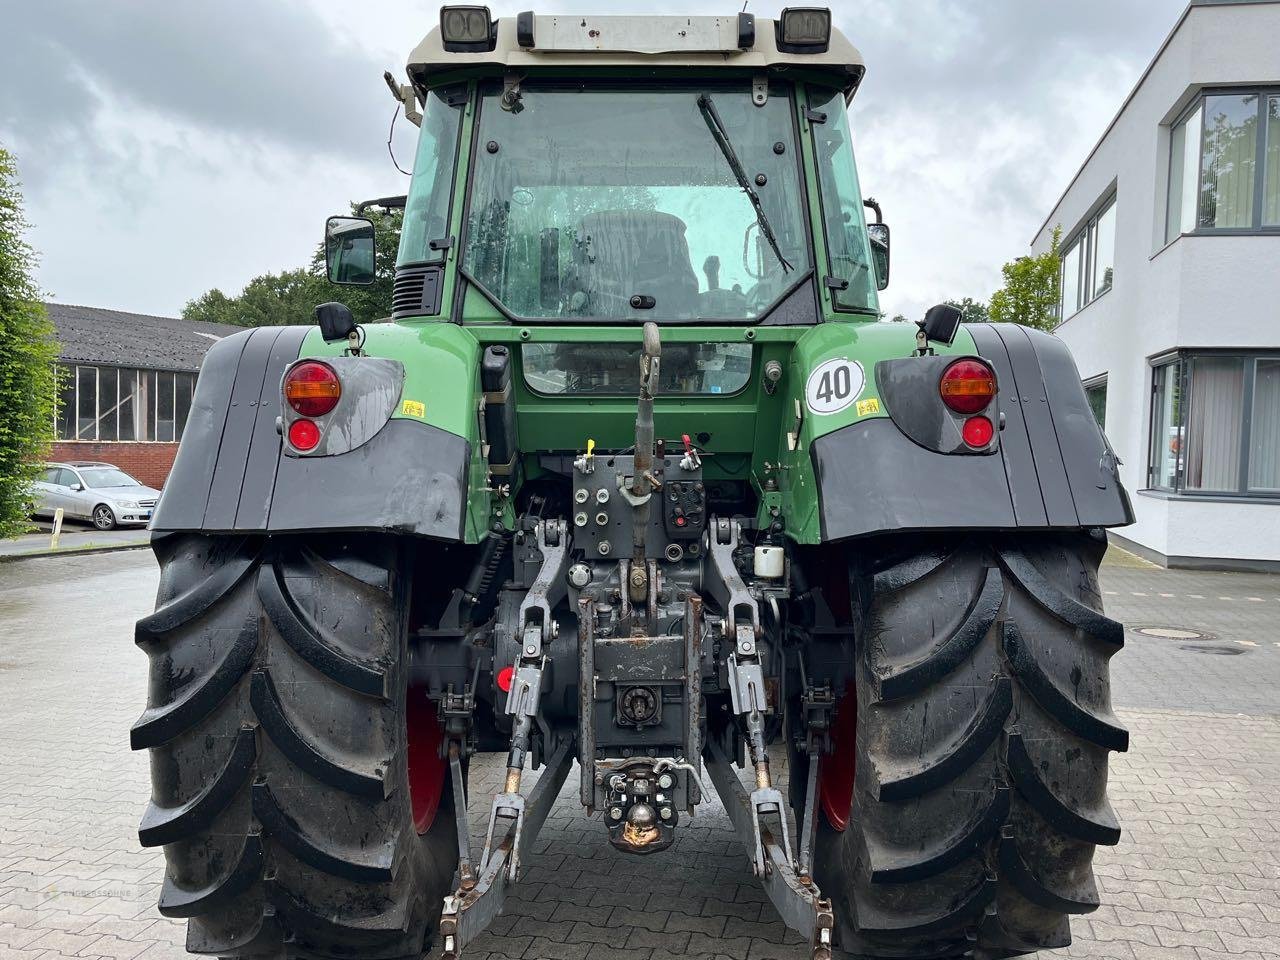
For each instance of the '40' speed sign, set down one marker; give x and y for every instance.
(833, 385)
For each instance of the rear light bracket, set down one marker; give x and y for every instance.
(909, 389)
(371, 388)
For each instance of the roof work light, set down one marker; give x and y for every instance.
(466, 29)
(804, 30)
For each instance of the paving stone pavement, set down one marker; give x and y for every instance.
(1195, 877)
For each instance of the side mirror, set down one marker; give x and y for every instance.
(335, 320)
(77, 487)
(878, 234)
(349, 250)
(941, 323)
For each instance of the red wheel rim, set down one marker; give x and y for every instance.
(426, 765)
(836, 770)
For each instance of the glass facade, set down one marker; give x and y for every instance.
(107, 404)
(1088, 261)
(1224, 164)
(1215, 424)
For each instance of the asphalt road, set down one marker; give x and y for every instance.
(1196, 877)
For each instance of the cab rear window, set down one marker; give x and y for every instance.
(613, 369)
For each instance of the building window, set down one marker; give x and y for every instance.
(1215, 424)
(1224, 165)
(1095, 392)
(107, 404)
(1089, 261)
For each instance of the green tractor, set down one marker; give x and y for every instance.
(633, 476)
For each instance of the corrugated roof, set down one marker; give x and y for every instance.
(113, 337)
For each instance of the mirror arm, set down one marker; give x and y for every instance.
(405, 94)
(387, 203)
(874, 204)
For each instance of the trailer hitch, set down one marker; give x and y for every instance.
(795, 896)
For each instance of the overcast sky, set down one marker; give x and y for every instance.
(169, 147)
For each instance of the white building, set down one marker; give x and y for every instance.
(1171, 289)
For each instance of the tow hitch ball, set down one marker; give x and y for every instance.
(640, 812)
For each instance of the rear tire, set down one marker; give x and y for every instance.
(983, 730)
(276, 726)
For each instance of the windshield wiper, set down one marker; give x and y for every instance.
(721, 137)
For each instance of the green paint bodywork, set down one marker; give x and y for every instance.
(753, 435)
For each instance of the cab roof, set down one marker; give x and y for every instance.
(648, 42)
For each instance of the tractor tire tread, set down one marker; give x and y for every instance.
(984, 725)
(276, 728)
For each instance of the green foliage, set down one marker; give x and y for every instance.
(1030, 292)
(290, 297)
(971, 310)
(27, 354)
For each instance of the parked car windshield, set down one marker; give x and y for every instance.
(619, 205)
(107, 477)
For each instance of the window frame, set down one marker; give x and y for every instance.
(1086, 238)
(1184, 359)
(150, 375)
(831, 293)
(460, 97)
(787, 88)
(1264, 95)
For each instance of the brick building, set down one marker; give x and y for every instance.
(126, 385)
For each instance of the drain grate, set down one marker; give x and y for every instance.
(1173, 633)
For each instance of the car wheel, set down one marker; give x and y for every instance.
(103, 517)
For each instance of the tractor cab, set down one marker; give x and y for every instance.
(613, 170)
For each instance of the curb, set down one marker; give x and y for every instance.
(72, 551)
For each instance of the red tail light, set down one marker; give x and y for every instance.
(312, 389)
(304, 435)
(967, 386)
(978, 431)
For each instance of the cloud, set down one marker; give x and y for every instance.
(973, 117)
(254, 72)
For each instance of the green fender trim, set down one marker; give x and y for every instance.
(441, 388)
(865, 344)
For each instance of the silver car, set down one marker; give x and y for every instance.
(98, 492)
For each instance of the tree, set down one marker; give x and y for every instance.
(288, 298)
(971, 311)
(27, 354)
(1030, 292)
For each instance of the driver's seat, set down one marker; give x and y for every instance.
(621, 253)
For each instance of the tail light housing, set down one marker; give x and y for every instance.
(312, 389)
(967, 386)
